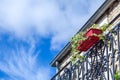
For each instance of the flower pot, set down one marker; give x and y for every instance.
(92, 31)
(87, 44)
(91, 39)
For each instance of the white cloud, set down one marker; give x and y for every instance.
(27, 19)
(60, 18)
(22, 64)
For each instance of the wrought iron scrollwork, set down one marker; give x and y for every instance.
(101, 61)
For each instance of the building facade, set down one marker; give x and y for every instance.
(102, 61)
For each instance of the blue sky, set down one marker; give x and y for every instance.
(32, 32)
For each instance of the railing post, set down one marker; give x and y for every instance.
(118, 37)
(107, 56)
(78, 70)
(113, 56)
(70, 72)
(82, 70)
(86, 66)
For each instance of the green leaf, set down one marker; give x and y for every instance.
(80, 37)
(104, 27)
(117, 75)
(95, 26)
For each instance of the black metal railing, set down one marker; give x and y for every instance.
(101, 61)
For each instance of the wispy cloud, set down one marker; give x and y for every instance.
(29, 20)
(23, 64)
(59, 18)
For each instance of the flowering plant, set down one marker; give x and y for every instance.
(81, 37)
(117, 75)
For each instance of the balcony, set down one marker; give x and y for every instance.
(101, 62)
